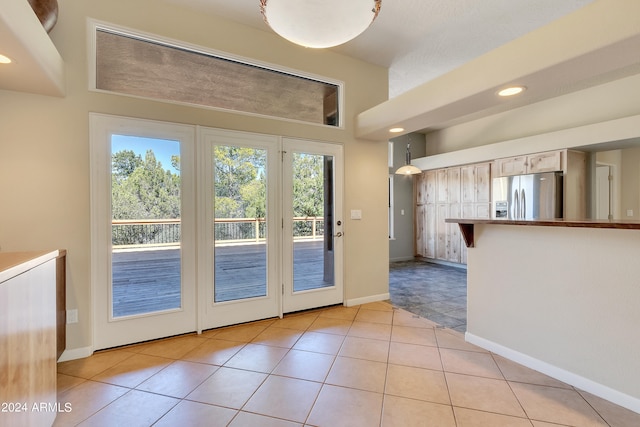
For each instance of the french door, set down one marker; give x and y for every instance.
(143, 230)
(195, 228)
(312, 238)
(239, 243)
(270, 214)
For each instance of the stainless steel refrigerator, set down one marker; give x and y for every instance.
(532, 196)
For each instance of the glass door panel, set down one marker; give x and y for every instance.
(313, 252)
(145, 231)
(240, 229)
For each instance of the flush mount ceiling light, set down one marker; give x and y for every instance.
(408, 168)
(319, 23)
(5, 59)
(396, 130)
(510, 91)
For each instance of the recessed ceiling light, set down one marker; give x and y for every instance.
(396, 130)
(5, 59)
(510, 91)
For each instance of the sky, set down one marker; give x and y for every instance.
(162, 148)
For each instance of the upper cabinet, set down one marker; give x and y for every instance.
(542, 162)
(37, 66)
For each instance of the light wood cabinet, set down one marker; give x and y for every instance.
(549, 161)
(442, 188)
(430, 185)
(457, 192)
(511, 166)
(441, 230)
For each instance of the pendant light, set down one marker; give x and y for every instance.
(408, 168)
(319, 23)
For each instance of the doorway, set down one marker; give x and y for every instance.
(604, 194)
(219, 228)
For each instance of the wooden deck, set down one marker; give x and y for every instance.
(145, 281)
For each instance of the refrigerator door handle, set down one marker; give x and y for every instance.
(516, 205)
(523, 205)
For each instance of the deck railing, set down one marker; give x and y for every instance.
(166, 232)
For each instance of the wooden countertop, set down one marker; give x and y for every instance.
(589, 223)
(14, 263)
(466, 224)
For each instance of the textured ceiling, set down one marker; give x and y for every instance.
(419, 40)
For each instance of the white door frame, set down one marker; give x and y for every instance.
(107, 330)
(213, 314)
(301, 300)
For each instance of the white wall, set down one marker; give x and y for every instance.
(44, 145)
(561, 300)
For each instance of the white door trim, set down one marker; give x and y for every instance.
(107, 331)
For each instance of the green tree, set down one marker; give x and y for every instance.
(239, 185)
(308, 185)
(124, 163)
(146, 191)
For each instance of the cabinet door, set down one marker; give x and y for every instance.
(453, 185)
(420, 184)
(512, 166)
(430, 231)
(468, 183)
(442, 186)
(442, 249)
(468, 210)
(420, 227)
(483, 210)
(430, 180)
(483, 183)
(545, 162)
(454, 237)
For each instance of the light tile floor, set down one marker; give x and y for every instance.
(371, 365)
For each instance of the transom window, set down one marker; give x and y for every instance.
(136, 65)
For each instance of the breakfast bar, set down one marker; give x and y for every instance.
(561, 297)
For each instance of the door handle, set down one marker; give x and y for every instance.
(338, 234)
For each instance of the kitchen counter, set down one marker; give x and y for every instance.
(467, 224)
(560, 297)
(15, 263)
(29, 335)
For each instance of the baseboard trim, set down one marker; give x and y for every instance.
(590, 386)
(367, 300)
(75, 353)
(400, 259)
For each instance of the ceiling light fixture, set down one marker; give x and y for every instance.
(5, 59)
(396, 130)
(408, 168)
(510, 91)
(319, 23)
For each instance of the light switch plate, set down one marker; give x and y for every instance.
(356, 214)
(72, 316)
